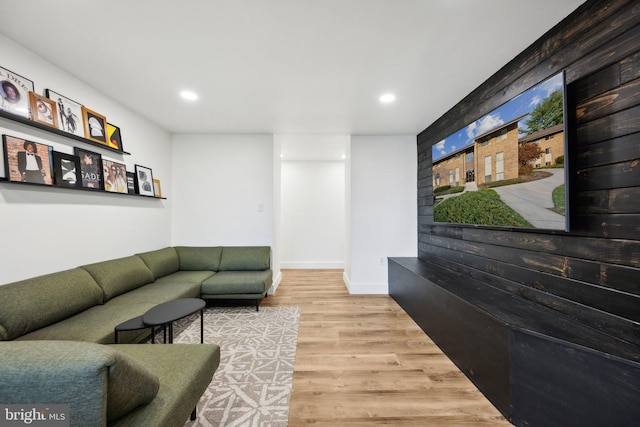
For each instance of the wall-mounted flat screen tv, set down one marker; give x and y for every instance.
(507, 169)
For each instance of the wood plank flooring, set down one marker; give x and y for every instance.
(362, 361)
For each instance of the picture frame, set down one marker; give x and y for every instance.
(27, 161)
(69, 113)
(91, 174)
(144, 181)
(115, 176)
(66, 170)
(43, 110)
(114, 137)
(95, 126)
(131, 183)
(14, 93)
(156, 188)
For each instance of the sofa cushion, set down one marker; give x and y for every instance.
(165, 289)
(120, 275)
(243, 258)
(96, 324)
(185, 278)
(195, 258)
(161, 262)
(37, 302)
(237, 282)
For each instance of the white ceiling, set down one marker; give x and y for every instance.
(283, 66)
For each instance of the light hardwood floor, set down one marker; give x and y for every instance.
(362, 361)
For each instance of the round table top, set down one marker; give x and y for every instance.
(172, 310)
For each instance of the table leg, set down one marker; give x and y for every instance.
(202, 326)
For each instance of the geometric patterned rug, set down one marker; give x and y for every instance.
(252, 385)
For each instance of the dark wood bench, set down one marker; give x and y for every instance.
(538, 366)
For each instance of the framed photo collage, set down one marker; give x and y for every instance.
(33, 162)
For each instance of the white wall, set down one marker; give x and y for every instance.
(277, 179)
(312, 214)
(222, 190)
(383, 222)
(43, 230)
(347, 211)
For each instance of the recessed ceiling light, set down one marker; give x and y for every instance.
(188, 95)
(387, 98)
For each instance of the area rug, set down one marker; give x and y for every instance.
(252, 386)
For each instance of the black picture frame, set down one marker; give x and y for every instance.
(14, 93)
(91, 175)
(144, 181)
(69, 113)
(131, 183)
(19, 168)
(66, 170)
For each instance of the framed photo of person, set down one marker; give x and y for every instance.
(43, 110)
(66, 170)
(114, 138)
(115, 176)
(27, 161)
(14, 93)
(91, 176)
(69, 113)
(144, 181)
(95, 126)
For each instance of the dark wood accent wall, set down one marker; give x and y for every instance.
(592, 272)
(546, 322)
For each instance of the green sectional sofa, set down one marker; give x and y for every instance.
(58, 330)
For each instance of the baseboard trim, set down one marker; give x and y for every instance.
(365, 288)
(276, 282)
(312, 265)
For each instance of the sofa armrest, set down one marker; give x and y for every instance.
(56, 372)
(99, 383)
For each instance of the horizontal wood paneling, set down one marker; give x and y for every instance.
(624, 200)
(614, 100)
(624, 148)
(592, 272)
(617, 175)
(616, 125)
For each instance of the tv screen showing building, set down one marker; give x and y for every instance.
(508, 167)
